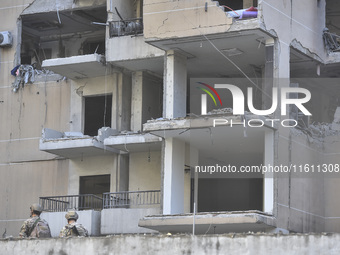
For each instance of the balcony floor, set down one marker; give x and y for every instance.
(211, 222)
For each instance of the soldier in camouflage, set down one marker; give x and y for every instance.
(34, 226)
(73, 228)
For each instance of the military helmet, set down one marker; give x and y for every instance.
(72, 215)
(36, 208)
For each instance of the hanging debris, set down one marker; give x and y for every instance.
(24, 74)
(332, 41)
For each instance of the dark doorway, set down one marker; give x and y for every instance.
(215, 195)
(97, 113)
(94, 184)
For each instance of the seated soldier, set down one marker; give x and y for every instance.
(73, 228)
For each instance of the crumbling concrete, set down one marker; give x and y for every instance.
(233, 244)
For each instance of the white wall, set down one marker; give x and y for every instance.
(90, 219)
(122, 220)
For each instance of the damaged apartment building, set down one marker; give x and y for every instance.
(101, 106)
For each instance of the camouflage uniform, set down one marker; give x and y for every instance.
(26, 228)
(73, 229)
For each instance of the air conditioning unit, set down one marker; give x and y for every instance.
(6, 39)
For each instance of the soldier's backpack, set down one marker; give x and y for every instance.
(40, 229)
(77, 230)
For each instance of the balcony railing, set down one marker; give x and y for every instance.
(74, 202)
(126, 27)
(125, 199)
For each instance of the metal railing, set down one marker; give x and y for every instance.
(126, 27)
(75, 202)
(126, 199)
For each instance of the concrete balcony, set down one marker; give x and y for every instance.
(75, 144)
(77, 67)
(211, 223)
(134, 142)
(115, 213)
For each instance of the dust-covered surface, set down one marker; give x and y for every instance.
(262, 243)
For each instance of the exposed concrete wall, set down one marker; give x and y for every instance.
(22, 184)
(122, 220)
(332, 184)
(89, 219)
(165, 19)
(146, 100)
(42, 103)
(152, 97)
(91, 166)
(25, 172)
(300, 21)
(130, 48)
(119, 85)
(145, 174)
(300, 199)
(126, 9)
(180, 244)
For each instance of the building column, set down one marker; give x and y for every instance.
(175, 85)
(268, 82)
(122, 173)
(268, 182)
(137, 101)
(173, 176)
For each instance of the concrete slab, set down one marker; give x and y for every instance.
(77, 67)
(75, 144)
(211, 222)
(134, 142)
(206, 121)
(75, 147)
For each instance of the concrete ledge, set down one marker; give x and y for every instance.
(231, 244)
(211, 222)
(77, 67)
(125, 220)
(75, 144)
(134, 142)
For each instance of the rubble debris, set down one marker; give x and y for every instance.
(26, 74)
(243, 13)
(332, 41)
(221, 111)
(23, 74)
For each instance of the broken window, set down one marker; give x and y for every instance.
(95, 184)
(97, 113)
(62, 34)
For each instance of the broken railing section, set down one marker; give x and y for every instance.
(126, 27)
(74, 202)
(332, 41)
(125, 199)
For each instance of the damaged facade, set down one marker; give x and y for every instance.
(101, 113)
